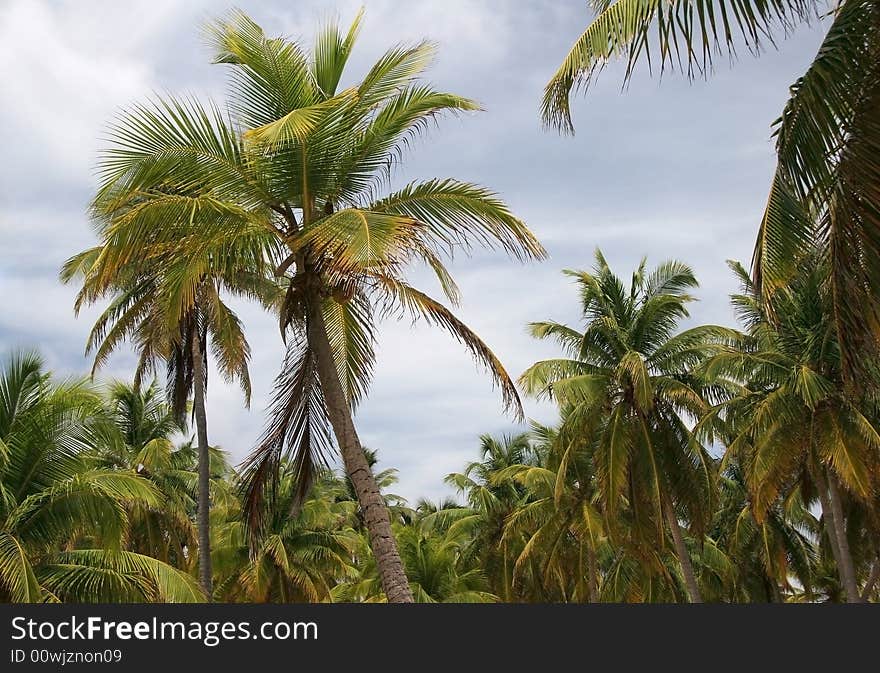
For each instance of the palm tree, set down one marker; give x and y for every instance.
(62, 521)
(439, 568)
(774, 557)
(437, 548)
(302, 162)
(827, 139)
(171, 309)
(491, 500)
(792, 422)
(560, 523)
(626, 384)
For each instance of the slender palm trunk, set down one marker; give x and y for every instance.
(845, 560)
(835, 528)
(828, 521)
(872, 580)
(375, 513)
(204, 496)
(684, 559)
(592, 575)
(506, 578)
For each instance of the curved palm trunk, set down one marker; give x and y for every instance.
(684, 559)
(375, 513)
(204, 495)
(845, 560)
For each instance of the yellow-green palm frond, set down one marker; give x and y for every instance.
(689, 35)
(399, 296)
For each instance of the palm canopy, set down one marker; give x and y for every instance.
(557, 524)
(684, 34)
(295, 558)
(792, 416)
(794, 426)
(165, 302)
(626, 386)
(824, 193)
(773, 555)
(134, 434)
(62, 520)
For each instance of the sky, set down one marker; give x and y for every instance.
(665, 169)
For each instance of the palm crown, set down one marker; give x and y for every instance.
(63, 521)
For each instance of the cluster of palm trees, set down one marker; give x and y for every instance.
(704, 464)
(741, 455)
(699, 464)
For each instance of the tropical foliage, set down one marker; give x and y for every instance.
(698, 464)
(688, 463)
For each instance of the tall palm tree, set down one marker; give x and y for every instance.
(170, 307)
(792, 422)
(301, 161)
(827, 138)
(627, 384)
(62, 521)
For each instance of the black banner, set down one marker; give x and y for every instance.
(455, 637)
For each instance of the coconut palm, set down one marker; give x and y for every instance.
(774, 557)
(492, 497)
(560, 524)
(171, 309)
(303, 161)
(62, 521)
(439, 568)
(827, 139)
(437, 552)
(626, 383)
(792, 423)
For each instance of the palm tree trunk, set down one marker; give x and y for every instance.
(828, 521)
(831, 519)
(375, 513)
(684, 559)
(845, 561)
(872, 580)
(592, 575)
(204, 495)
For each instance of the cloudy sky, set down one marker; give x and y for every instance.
(671, 169)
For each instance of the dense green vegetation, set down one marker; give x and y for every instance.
(699, 464)
(706, 463)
